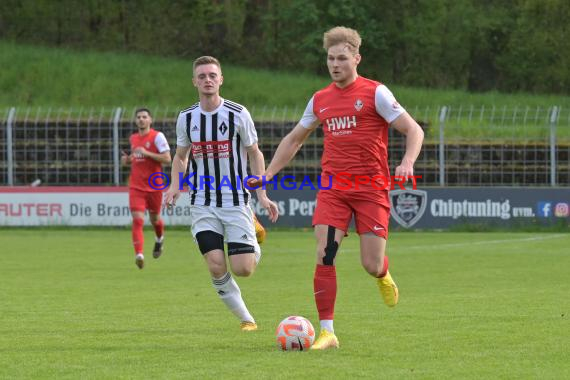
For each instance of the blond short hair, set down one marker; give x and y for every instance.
(342, 35)
(206, 60)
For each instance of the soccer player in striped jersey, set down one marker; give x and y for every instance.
(149, 151)
(218, 135)
(355, 114)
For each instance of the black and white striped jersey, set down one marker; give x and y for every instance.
(218, 159)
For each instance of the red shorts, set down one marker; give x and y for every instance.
(371, 210)
(145, 200)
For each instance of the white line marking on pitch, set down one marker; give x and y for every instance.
(403, 248)
(536, 238)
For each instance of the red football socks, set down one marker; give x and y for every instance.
(324, 285)
(159, 228)
(138, 237)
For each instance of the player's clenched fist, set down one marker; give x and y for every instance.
(254, 183)
(405, 170)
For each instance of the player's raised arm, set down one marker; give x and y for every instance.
(388, 107)
(288, 148)
(290, 145)
(406, 125)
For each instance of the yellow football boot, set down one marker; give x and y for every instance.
(325, 341)
(259, 230)
(248, 326)
(388, 289)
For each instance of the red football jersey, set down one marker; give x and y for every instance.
(143, 167)
(355, 132)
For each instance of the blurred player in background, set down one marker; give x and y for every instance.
(355, 113)
(218, 136)
(149, 151)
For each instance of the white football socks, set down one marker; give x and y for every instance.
(327, 324)
(229, 293)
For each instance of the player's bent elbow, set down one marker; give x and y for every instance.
(420, 132)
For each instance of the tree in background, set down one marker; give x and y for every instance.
(478, 45)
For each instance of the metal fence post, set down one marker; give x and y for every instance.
(553, 119)
(116, 158)
(9, 147)
(442, 115)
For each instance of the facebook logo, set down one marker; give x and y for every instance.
(544, 209)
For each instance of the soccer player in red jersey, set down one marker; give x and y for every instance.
(355, 114)
(149, 151)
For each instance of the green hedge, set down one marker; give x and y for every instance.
(476, 45)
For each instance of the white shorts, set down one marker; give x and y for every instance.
(234, 223)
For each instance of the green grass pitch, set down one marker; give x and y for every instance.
(472, 305)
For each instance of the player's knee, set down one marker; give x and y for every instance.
(372, 269)
(217, 270)
(327, 254)
(330, 253)
(243, 271)
(209, 241)
(246, 265)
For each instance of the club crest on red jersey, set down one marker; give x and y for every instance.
(147, 144)
(358, 104)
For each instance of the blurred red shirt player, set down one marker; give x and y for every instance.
(149, 151)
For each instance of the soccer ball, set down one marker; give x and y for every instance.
(295, 334)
